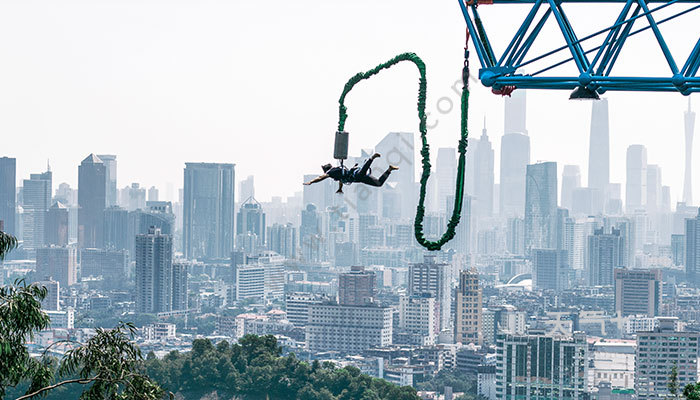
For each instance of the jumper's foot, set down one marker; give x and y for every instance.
(393, 168)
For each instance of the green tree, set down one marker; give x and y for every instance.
(673, 385)
(7, 243)
(692, 391)
(109, 365)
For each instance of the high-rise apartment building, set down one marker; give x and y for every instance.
(468, 305)
(536, 366)
(357, 287)
(419, 318)
(111, 265)
(282, 239)
(92, 187)
(541, 207)
(658, 352)
(154, 272)
(348, 329)
(638, 292)
(692, 250)
(250, 226)
(431, 277)
(605, 253)
(551, 269)
(208, 215)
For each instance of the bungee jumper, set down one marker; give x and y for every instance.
(359, 174)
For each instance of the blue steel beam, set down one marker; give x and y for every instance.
(593, 74)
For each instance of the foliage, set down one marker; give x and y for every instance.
(673, 385)
(692, 392)
(109, 364)
(7, 243)
(255, 369)
(20, 317)
(459, 381)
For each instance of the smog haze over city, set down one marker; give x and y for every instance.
(188, 210)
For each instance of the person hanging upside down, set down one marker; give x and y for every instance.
(361, 174)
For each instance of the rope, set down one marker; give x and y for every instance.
(425, 151)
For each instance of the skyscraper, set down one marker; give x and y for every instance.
(92, 187)
(250, 226)
(208, 227)
(246, 189)
(110, 162)
(483, 176)
(515, 156)
(116, 229)
(154, 270)
(541, 207)
(599, 147)
(446, 171)
(688, 177)
(8, 191)
(654, 197)
(692, 250)
(570, 180)
(605, 253)
(397, 149)
(515, 113)
(468, 305)
(36, 201)
(282, 239)
(636, 186)
(57, 225)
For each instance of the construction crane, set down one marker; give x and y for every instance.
(594, 65)
(503, 74)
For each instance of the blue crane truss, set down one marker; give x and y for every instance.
(594, 65)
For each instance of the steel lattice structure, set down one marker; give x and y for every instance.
(594, 65)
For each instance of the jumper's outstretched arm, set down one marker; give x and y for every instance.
(317, 179)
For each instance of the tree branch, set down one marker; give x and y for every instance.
(81, 381)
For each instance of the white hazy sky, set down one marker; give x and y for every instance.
(256, 83)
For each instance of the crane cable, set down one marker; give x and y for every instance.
(425, 150)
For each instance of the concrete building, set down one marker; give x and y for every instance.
(348, 329)
(638, 292)
(57, 225)
(536, 366)
(154, 272)
(599, 148)
(208, 213)
(357, 287)
(52, 301)
(250, 221)
(282, 239)
(250, 282)
(551, 269)
(431, 277)
(92, 201)
(612, 361)
(62, 319)
(58, 263)
(541, 207)
(658, 352)
(110, 162)
(8, 191)
(605, 253)
(692, 250)
(419, 316)
(297, 306)
(689, 119)
(36, 200)
(468, 306)
(180, 286)
(111, 265)
(515, 156)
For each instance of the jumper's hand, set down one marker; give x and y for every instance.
(307, 183)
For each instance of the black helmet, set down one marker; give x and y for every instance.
(326, 167)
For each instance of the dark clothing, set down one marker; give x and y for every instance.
(362, 174)
(340, 174)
